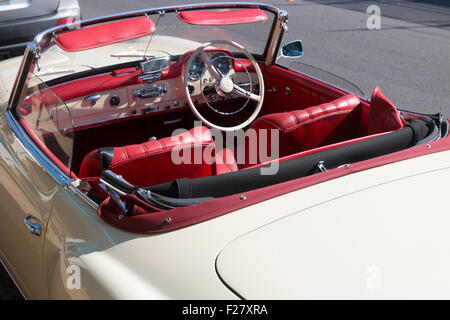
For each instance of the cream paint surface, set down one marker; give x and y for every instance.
(181, 264)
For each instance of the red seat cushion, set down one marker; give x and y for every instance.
(152, 162)
(383, 116)
(312, 127)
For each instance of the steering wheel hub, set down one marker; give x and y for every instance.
(226, 85)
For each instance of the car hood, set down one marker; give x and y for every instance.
(22, 9)
(345, 248)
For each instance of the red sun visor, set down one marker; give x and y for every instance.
(105, 34)
(217, 18)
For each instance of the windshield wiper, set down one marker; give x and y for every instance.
(130, 54)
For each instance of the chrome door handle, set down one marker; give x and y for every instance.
(34, 228)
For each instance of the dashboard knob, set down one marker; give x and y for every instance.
(114, 101)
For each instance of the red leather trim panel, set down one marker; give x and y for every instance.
(304, 91)
(105, 34)
(383, 116)
(102, 82)
(217, 18)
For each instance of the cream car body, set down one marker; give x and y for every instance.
(377, 233)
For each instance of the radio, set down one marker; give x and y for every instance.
(151, 92)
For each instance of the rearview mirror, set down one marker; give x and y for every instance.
(293, 49)
(155, 65)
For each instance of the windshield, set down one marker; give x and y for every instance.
(46, 118)
(172, 36)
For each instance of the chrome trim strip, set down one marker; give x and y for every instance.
(40, 157)
(277, 36)
(23, 75)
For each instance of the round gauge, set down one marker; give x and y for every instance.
(223, 63)
(196, 69)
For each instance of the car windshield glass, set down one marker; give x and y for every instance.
(172, 36)
(48, 121)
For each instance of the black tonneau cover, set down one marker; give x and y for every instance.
(249, 179)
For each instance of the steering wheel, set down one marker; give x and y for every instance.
(225, 85)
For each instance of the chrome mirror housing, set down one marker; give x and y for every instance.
(155, 65)
(293, 49)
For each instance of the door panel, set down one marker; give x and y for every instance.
(25, 188)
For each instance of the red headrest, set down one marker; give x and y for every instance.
(383, 115)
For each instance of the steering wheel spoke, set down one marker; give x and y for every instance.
(215, 72)
(246, 94)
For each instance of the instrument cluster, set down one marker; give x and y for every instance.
(222, 61)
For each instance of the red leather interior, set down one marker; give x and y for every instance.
(304, 90)
(102, 82)
(312, 127)
(105, 34)
(217, 18)
(152, 162)
(383, 116)
(225, 161)
(327, 124)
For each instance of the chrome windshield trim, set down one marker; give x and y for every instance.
(44, 39)
(40, 157)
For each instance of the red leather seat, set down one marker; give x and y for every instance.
(153, 162)
(336, 121)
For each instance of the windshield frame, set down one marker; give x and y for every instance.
(43, 40)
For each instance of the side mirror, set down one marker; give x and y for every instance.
(155, 65)
(293, 49)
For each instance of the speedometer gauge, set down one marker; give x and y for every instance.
(196, 69)
(223, 63)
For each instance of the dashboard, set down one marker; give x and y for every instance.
(153, 93)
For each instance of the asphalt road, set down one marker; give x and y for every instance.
(409, 57)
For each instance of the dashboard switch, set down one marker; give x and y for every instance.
(114, 101)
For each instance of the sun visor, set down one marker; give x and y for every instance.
(216, 18)
(105, 34)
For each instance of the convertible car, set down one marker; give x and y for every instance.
(165, 154)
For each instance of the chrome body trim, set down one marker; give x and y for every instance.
(278, 29)
(60, 177)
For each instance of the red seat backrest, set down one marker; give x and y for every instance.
(313, 127)
(151, 162)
